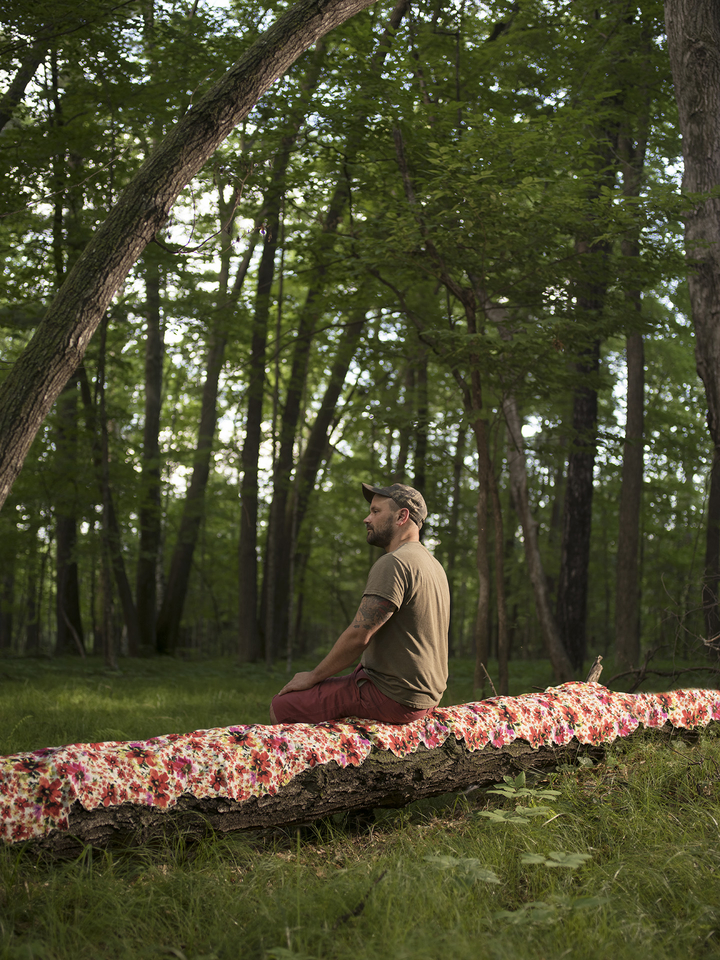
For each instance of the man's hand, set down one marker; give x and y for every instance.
(301, 681)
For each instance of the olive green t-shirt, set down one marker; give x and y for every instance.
(407, 659)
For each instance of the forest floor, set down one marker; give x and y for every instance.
(615, 860)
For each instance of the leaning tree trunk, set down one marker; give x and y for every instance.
(60, 341)
(317, 445)
(34, 55)
(274, 587)
(693, 34)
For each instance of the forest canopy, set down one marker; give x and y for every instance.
(446, 247)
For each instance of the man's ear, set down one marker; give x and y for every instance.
(403, 516)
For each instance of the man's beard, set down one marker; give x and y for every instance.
(381, 536)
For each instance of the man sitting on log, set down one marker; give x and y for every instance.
(400, 630)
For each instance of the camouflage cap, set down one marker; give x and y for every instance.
(403, 496)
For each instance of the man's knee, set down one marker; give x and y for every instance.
(273, 718)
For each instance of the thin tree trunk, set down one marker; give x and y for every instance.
(577, 509)
(693, 36)
(517, 468)
(96, 416)
(278, 558)
(7, 598)
(150, 499)
(34, 600)
(318, 439)
(69, 629)
(478, 424)
(452, 536)
(500, 600)
(67, 584)
(627, 617)
(249, 637)
(632, 149)
(422, 414)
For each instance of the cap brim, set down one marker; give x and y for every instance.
(369, 491)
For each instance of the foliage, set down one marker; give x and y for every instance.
(505, 115)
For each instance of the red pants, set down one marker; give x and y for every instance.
(338, 697)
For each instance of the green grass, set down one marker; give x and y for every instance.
(418, 884)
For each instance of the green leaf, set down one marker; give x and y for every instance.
(503, 816)
(465, 866)
(557, 858)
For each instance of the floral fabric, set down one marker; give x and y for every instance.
(37, 789)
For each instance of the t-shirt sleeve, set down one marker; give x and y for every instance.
(387, 579)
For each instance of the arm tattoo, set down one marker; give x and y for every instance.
(373, 612)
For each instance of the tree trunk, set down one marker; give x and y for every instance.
(279, 554)
(627, 595)
(34, 596)
(67, 585)
(59, 343)
(317, 444)
(502, 637)
(249, 637)
(517, 468)
(693, 36)
(277, 573)
(12, 98)
(627, 615)
(421, 417)
(110, 530)
(150, 499)
(577, 513)
(7, 600)
(482, 633)
(452, 538)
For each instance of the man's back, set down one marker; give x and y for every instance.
(407, 657)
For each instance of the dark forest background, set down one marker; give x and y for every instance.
(446, 248)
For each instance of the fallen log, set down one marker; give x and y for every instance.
(251, 777)
(383, 780)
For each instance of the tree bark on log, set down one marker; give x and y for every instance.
(382, 780)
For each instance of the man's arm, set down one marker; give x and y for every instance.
(372, 613)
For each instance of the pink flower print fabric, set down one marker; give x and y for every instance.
(38, 788)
